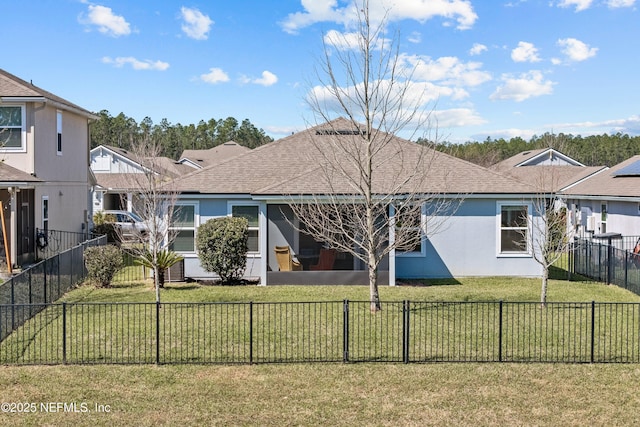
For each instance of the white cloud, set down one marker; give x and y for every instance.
(522, 87)
(629, 125)
(214, 76)
(448, 70)
(350, 41)
(415, 37)
(525, 52)
(107, 22)
(196, 25)
(136, 64)
(316, 11)
(620, 3)
(267, 79)
(457, 117)
(576, 50)
(477, 49)
(579, 4)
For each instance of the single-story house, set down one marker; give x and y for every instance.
(608, 202)
(476, 239)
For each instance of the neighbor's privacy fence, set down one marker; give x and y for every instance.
(346, 331)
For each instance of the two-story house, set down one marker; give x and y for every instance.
(44, 166)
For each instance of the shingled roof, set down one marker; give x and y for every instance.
(296, 165)
(13, 87)
(213, 155)
(609, 183)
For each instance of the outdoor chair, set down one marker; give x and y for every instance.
(285, 260)
(325, 260)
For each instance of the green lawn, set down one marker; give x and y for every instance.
(333, 393)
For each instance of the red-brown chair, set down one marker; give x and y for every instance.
(325, 260)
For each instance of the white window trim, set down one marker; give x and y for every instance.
(23, 132)
(45, 219)
(423, 237)
(523, 254)
(196, 224)
(59, 132)
(230, 205)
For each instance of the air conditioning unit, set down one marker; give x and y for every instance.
(591, 223)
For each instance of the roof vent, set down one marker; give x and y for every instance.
(340, 132)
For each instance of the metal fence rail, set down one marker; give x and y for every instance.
(345, 331)
(42, 283)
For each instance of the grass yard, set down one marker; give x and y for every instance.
(332, 393)
(328, 394)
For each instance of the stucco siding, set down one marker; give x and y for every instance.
(466, 245)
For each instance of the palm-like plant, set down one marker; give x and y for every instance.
(159, 262)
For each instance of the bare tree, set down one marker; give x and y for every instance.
(377, 197)
(154, 200)
(551, 234)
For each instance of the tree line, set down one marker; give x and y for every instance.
(595, 150)
(124, 132)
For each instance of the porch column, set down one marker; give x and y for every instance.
(392, 253)
(264, 250)
(13, 225)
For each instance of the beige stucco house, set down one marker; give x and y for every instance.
(44, 165)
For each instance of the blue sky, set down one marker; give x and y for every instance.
(498, 68)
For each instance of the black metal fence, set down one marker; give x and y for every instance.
(50, 243)
(41, 284)
(607, 263)
(345, 331)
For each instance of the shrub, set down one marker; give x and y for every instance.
(222, 247)
(102, 263)
(104, 225)
(164, 260)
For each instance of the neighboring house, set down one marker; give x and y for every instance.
(608, 202)
(477, 240)
(113, 168)
(44, 175)
(548, 170)
(199, 159)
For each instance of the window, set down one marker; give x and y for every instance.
(603, 218)
(45, 213)
(59, 126)
(410, 224)
(12, 128)
(183, 227)
(514, 230)
(251, 213)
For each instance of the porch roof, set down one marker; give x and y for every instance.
(10, 175)
(301, 164)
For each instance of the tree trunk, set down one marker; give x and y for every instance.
(543, 293)
(374, 296)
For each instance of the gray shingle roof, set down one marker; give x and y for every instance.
(607, 184)
(11, 174)
(215, 154)
(13, 86)
(296, 165)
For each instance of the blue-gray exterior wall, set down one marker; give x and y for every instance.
(466, 245)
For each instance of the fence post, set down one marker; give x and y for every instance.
(157, 332)
(626, 269)
(593, 332)
(64, 333)
(405, 331)
(250, 332)
(500, 331)
(13, 305)
(44, 265)
(345, 331)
